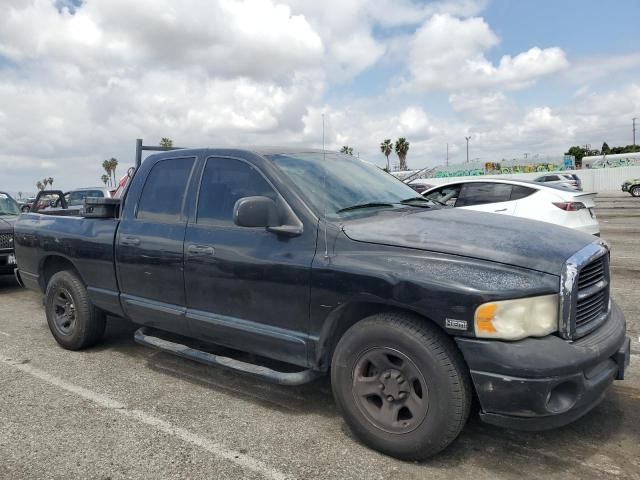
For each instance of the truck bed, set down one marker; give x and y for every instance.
(70, 238)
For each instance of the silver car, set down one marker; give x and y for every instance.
(567, 180)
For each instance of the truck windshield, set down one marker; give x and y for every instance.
(8, 205)
(336, 183)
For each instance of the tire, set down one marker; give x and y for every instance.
(635, 191)
(25, 209)
(74, 322)
(365, 369)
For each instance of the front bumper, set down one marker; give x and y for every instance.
(541, 383)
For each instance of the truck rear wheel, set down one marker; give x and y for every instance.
(74, 322)
(635, 191)
(402, 385)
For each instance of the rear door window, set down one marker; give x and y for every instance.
(481, 193)
(224, 182)
(520, 191)
(163, 193)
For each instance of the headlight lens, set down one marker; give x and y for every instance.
(517, 319)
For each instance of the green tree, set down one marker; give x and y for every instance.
(105, 179)
(386, 147)
(578, 152)
(346, 149)
(113, 163)
(50, 180)
(402, 148)
(166, 142)
(605, 149)
(39, 185)
(106, 164)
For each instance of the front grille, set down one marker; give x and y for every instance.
(592, 296)
(6, 241)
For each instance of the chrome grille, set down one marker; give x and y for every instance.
(6, 241)
(592, 296)
(584, 291)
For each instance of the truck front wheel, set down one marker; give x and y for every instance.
(74, 322)
(635, 191)
(401, 384)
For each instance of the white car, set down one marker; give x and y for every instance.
(535, 201)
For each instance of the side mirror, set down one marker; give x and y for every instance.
(256, 212)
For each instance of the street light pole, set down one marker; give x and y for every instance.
(634, 131)
(467, 139)
(447, 154)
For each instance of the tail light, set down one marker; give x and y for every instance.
(569, 206)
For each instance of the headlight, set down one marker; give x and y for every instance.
(516, 319)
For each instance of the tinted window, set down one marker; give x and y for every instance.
(224, 182)
(163, 192)
(518, 192)
(481, 193)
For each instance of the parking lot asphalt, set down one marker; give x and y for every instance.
(121, 410)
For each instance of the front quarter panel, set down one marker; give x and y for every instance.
(446, 289)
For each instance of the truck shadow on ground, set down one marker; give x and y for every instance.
(8, 284)
(563, 449)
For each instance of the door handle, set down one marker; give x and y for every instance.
(501, 210)
(130, 241)
(200, 250)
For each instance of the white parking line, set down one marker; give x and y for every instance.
(242, 460)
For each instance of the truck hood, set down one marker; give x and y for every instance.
(486, 236)
(6, 223)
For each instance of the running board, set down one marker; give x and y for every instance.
(143, 337)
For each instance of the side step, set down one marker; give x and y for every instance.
(144, 337)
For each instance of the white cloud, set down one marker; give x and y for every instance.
(78, 88)
(449, 53)
(491, 107)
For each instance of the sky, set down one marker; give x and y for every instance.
(81, 80)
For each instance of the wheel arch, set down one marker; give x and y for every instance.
(52, 264)
(346, 316)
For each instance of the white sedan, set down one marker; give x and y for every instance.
(536, 201)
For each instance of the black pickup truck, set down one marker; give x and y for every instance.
(9, 212)
(328, 264)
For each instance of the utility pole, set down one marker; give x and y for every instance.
(634, 131)
(467, 139)
(447, 154)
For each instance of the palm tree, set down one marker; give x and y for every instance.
(402, 148)
(106, 164)
(50, 180)
(105, 179)
(386, 147)
(166, 142)
(113, 162)
(346, 149)
(19, 195)
(39, 185)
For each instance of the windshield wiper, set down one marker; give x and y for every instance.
(417, 199)
(364, 205)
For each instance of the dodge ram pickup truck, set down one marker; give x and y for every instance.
(324, 264)
(9, 212)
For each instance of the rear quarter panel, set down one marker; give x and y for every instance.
(88, 244)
